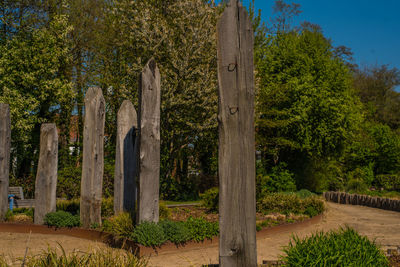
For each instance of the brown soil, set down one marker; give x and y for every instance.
(376, 224)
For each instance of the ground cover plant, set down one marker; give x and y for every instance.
(61, 219)
(344, 247)
(156, 234)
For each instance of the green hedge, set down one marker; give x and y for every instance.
(336, 248)
(287, 203)
(389, 181)
(154, 235)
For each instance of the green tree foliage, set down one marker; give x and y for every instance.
(305, 105)
(376, 88)
(32, 81)
(180, 35)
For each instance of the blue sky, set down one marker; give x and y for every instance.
(371, 28)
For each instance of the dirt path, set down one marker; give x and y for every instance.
(384, 226)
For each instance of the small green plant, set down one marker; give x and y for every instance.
(149, 234)
(356, 186)
(336, 248)
(164, 211)
(304, 193)
(176, 232)
(209, 199)
(71, 206)
(107, 207)
(200, 229)
(120, 225)
(61, 219)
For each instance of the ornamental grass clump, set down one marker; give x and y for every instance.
(344, 247)
(96, 258)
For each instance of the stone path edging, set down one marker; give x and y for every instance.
(363, 200)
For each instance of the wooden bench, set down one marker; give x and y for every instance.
(19, 200)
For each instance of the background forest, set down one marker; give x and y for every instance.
(322, 122)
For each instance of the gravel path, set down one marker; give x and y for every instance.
(384, 226)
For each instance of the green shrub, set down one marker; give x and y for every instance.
(164, 211)
(287, 203)
(200, 229)
(71, 206)
(281, 179)
(210, 199)
(356, 186)
(120, 225)
(304, 193)
(388, 181)
(27, 211)
(176, 232)
(61, 219)
(341, 248)
(107, 207)
(149, 234)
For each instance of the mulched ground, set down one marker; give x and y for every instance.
(394, 260)
(273, 219)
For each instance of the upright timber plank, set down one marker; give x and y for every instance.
(93, 158)
(237, 203)
(125, 160)
(149, 146)
(5, 140)
(46, 177)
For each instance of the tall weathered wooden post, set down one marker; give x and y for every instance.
(125, 160)
(237, 203)
(149, 146)
(93, 158)
(5, 139)
(46, 177)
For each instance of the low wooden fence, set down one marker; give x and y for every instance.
(363, 200)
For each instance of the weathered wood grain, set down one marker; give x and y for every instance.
(149, 146)
(5, 140)
(125, 165)
(46, 177)
(237, 204)
(93, 158)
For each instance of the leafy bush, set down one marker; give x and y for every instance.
(28, 212)
(281, 179)
(149, 234)
(341, 248)
(120, 225)
(356, 186)
(99, 257)
(164, 211)
(290, 203)
(304, 193)
(71, 206)
(210, 199)
(200, 229)
(176, 232)
(61, 219)
(388, 181)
